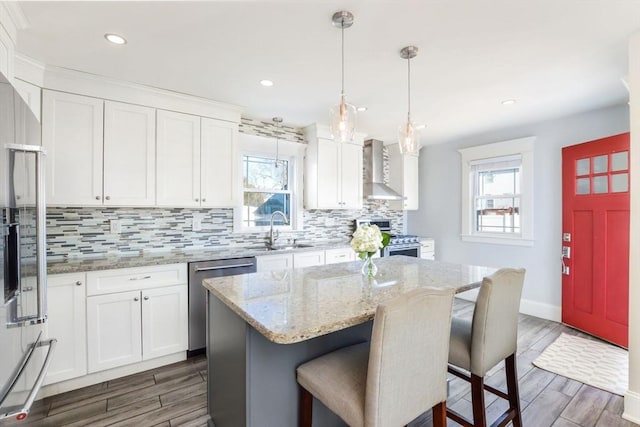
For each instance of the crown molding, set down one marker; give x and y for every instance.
(28, 69)
(78, 82)
(12, 18)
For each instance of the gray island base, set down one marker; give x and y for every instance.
(261, 326)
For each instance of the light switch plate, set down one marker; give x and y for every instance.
(115, 226)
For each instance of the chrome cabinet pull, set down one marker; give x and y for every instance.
(78, 283)
(204, 200)
(146, 298)
(136, 299)
(97, 197)
(140, 278)
(108, 198)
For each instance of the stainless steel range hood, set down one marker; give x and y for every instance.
(374, 186)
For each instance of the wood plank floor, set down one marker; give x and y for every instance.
(175, 395)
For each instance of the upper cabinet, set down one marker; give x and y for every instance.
(333, 171)
(196, 161)
(403, 178)
(72, 134)
(98, 152)
(129, 154)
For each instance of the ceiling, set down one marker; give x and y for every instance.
(555, 57)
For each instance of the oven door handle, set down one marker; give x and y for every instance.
(223, 267)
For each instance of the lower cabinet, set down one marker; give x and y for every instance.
(335, 256)
(128, 327)
(274, 262)
(67, 323)
(308, 259)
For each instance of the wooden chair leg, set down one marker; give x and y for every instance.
(305, 407)
(512, 389)
(477, 401)
(440, 414)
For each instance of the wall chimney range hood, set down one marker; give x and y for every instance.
(374, 186)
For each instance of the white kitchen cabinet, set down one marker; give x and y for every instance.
(308, 259)
(129, 154)
(333, 171)
(114, 330)
(197, 164)
(31, 94)
(67, 323)
(219, 185)
(427, 248)
(72, 128)
(136, 314)
(178, 156)
(98, 152)
(403, 178)
(274, 262)
(335, 256)
(164, 321)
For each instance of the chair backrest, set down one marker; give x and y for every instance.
(494, 332)
(407, 372)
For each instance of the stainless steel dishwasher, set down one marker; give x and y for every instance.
(198, 271)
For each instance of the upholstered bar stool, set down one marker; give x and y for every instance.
(480, 344)
(399, 376)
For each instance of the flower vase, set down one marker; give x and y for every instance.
(369, 269)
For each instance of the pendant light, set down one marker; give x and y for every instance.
(343, 116)
(408, 134)
(277, 121)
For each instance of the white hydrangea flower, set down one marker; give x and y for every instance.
(367, 238)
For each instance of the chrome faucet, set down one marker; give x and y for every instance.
(273, 241)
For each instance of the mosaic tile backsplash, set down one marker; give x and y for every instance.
(85, 232)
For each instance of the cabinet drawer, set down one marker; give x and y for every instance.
(136, 278)
(335, 256)
(308, 259)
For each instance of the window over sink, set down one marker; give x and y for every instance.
(266, 190)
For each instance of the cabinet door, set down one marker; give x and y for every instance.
(114, 335)
(274, 262)
(178, 157)
(329, 174)
(351, 175)
(164, 321)
(67, 324)
(335, 256)
(129, 154)
(219, 163)
(72, 135)
(30, 94)
(308, 259)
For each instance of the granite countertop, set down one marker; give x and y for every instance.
(137, 259)
(289, 306)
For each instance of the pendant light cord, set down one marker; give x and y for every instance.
(409, 89)
(342, 32)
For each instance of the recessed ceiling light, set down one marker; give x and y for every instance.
(115, 39)
(361, 108)
(266, 83)
(508, 102)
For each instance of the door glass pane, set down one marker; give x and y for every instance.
(600, 164)
(582, 186)
(600, 184)
(620, 183)
(583, 167)
(620, 161)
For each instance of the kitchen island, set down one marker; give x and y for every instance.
(261, 326)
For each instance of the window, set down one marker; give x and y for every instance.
(266, 190)
(497, 192)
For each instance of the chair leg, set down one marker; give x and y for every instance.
(477, 401)
(439, 412)
(512, 389)
(305, 407)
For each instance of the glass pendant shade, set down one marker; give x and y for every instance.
(343, 121)
(409, 139)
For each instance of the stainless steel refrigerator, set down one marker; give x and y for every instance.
(25, 351)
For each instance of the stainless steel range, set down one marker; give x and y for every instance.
(400, 244)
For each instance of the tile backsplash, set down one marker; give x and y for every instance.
(86, 231)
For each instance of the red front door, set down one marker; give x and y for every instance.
(595, 237)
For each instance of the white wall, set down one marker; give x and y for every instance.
(439, 213)
(632, 397)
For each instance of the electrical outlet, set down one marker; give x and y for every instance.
(197, 222)
(115, 226)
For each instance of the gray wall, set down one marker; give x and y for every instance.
(439, 213)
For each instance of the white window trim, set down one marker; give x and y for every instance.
(260, 146)
(521, 146)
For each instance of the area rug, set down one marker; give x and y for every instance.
(591, 362)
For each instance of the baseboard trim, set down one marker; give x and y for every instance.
(109, 374)
(632, 407)
(527, 306)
